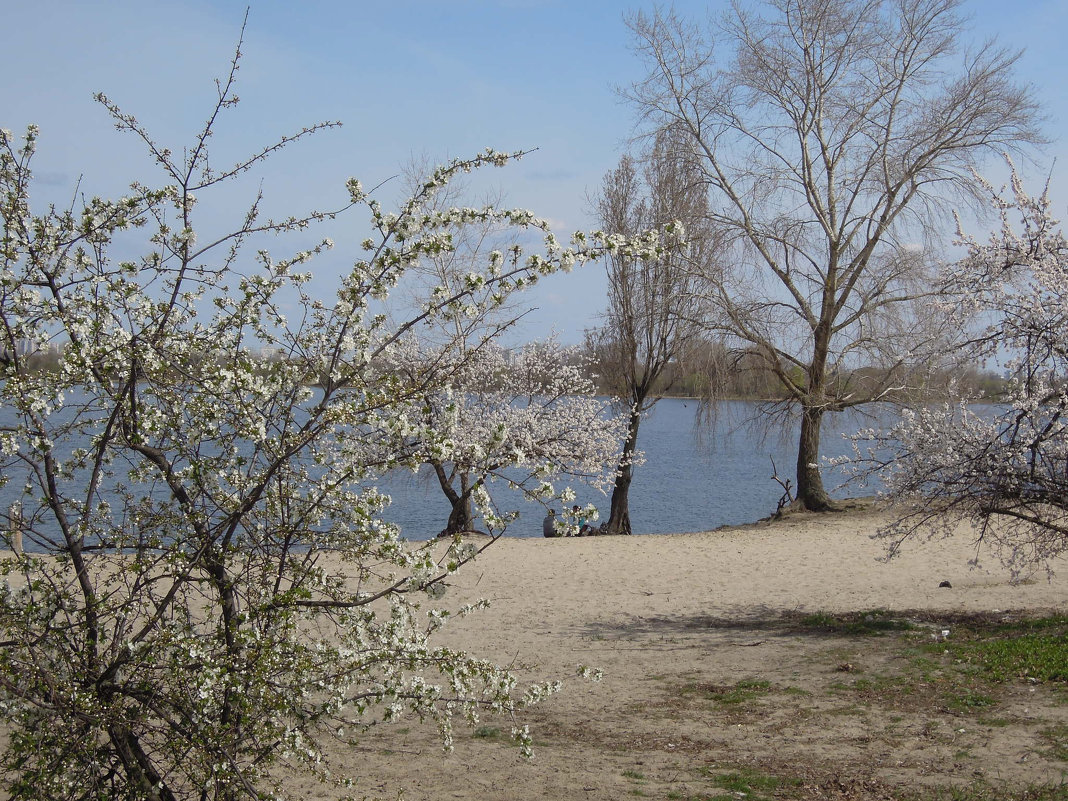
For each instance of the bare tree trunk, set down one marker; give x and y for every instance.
(619, 516)
(653, 303)
(810, 492)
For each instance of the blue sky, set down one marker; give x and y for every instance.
(408, 78)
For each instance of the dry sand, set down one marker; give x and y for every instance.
(677, 621)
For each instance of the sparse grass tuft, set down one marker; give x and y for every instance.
(729, 694)
(745, 690)
(969, 701)
(1057, 738)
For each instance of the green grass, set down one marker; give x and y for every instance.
(969, 700)
(1007, 656)
(745, 690)
(633, 774)
(487, 733)
(728, 694)
(753, 784)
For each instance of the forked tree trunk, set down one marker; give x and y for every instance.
(138, 767)
(619, 515)
(461, 517)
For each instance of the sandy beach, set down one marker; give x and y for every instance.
(712, 667)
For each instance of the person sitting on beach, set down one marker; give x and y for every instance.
(548, 525)
(584, 528)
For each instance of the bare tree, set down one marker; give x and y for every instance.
(832, 137)
(650, 317)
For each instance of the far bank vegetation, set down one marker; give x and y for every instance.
(711, 370)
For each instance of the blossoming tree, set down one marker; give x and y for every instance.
(517, 418)
(205, 589)
(1002, 467)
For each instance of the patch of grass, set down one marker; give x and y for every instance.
(1038, 656)
(752, 784)
(1057, 738)
(729, 694)
(969, 701)
(870, 623)
(1057, 624)
(923, 686)
(744, 690)
(633, 774)
(882, 689)
(487, 733)
(820, 620)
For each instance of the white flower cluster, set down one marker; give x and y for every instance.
(1001, 465)
(221, 592)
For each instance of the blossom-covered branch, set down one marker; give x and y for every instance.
(206, 588)
(1001, 466)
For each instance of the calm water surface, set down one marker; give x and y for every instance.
(692, 480)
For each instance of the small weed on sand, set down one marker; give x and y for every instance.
(740, 693)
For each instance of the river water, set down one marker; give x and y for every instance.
(693, 478)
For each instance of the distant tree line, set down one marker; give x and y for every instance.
(708, 369)
(703, 369)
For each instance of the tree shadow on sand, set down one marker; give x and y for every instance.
(781, 623)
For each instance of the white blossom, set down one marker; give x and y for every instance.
(201, 470)
(997, 465)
